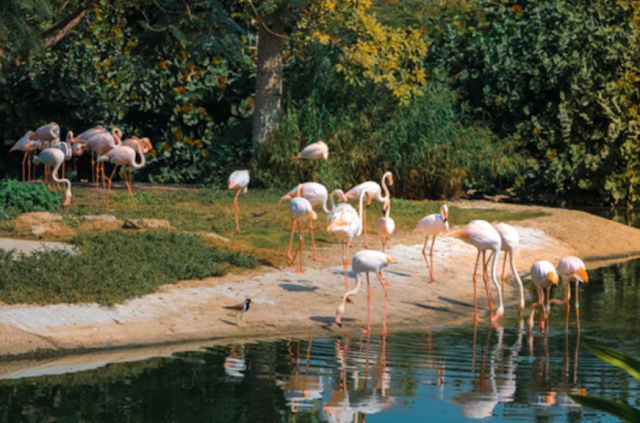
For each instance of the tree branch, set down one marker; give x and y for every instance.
(68, 22)
(265, 25)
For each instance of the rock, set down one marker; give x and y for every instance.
(214, 236)
(36, 218)
(98, 218)
(145, 224)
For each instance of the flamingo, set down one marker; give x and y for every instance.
(365, 262)
(134, 141)
(47, 133)
(572, 269)
(55, 157)
(432, 225)
(317, 195)
(544, 276)
(483, 236)
(100, 142)
(238, 181)
(510, 242)
(301, 210)
(314, 152)
(123, 156)
(346, 223)
(26, 144)
(375, 192)
(385, 225)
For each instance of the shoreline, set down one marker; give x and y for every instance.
(290, 304)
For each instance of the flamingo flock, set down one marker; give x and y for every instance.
(347, 223)
(105, 147)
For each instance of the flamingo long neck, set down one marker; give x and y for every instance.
(386, 215)
(362, 195)
(116, 138)
(333, 202)
(324, 205)
(142, 162)
(514, 270)
(54, 176)
(384, 187)
(494, 268)
(354, 291)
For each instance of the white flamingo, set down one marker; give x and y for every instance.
(27, 144)
(134, 141)
(314, 152)
(100, 142)
(510, 242)
(385, 227)
(54, 158)
(239, 182)
(544, 276)
(572, 269)
(301, 210)
(375, 192)
(126, 157)
(432, 225)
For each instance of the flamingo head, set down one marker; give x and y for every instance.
(67, 199)
(391, 260)
(232, 184)
(390, 176)
(582, 273)
(553, 277)
(146, 145)
(70, 138)
(461, 235)
(285, 197)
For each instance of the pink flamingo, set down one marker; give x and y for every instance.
(314, 152)
(124, 156)
(510, 242)
(27, 144)
(572, 269)
(374, 192)
(385, 226)
(301, 210)
(317, 195)
(544, 276)
(100, 142)
(365, 262)
(483, 236)
(134, 141)
(432, 225)
(46, 134)
(54, 157)
(346, 223)
(239, 182)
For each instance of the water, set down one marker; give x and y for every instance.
(501, 374)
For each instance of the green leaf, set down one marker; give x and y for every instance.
(617, 358)
(621, 410)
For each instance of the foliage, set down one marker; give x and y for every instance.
(559, 76)
(620, 410)
(16, 198)
(111, 267)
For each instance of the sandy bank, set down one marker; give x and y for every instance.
(286, 302)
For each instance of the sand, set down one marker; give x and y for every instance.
(288, 303)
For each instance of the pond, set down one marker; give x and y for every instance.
(457, 374)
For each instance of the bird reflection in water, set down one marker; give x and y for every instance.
(235, 364)
(302, 389)
(366, 392)
(496, 382)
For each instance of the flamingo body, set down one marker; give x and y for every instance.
(48, 132)
(124, 156)
(301, 211)
(316, 151)
(373, 191)
(544, 276)
(572, 269)
(238, 181)
(316, 193)
(54, 157)
(385, 226)
(433, 225)
(134, 141)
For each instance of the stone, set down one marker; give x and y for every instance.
(98, 218)
(145, 224)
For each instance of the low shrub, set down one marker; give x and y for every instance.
(16, 198)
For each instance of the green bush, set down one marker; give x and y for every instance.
(111, 267)
(17, 198)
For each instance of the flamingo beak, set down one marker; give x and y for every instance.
(391, 260)
(583, 274)
(232, 184)
(459, 234)
(343, 198)
(553, 278)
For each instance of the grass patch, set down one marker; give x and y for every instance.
(112, 267)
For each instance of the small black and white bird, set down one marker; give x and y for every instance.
(240, 310)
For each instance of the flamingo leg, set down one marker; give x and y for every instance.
(345, 263)
(578, 305)
(237, 211)
(313, 240)
(109, 186)
(485, 278)
(301, 226)
(368, 330)
(424, 253)
(293, 230)
(28, 166)
(102, 178)
(63, 169)
(24, 159)
(504, 265)
(433, 243)
(93, 170)
(475, 290)
(133, 201)
(386, 298)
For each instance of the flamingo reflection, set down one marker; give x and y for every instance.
(302, 390)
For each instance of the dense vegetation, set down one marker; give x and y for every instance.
(112, 267)
(539, 96)
(17, 198)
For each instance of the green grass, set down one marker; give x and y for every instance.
(112, 267)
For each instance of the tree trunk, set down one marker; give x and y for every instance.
(268, 79)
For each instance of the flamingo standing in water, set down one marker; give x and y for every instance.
(54, 157)
(433, 225)
(385, 225)
(126, 157)
(544, 276)
(314, 152)
(365, 262)
(301, 210)
(101, 142)
(317, 195)
(572, 269)
(484, 237)
(239, 182)
(26, 144)
(374, 192)
(510, 241)
(346, 223)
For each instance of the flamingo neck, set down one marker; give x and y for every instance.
(115, 136)
(354, 291)
(384, 187)
(362, 195)
(142, 160)
(386, 215)
(324, 205)
(494, 268)
(54, 176)
(514, 270)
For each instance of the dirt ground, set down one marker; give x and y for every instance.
(288, 303)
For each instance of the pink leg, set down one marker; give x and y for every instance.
(301, 226)
(133, 201)
(345, 263)
(386, 298)
(504, 265)
(109, 186)
(433, 243)
(475, 290)
(368, 330)
(485, 276)
(237, 210)
(24, 159)
(293, 230)
(578, 305)
(93, 170)
(313, 241)
(424, 254)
